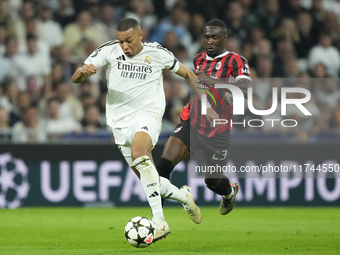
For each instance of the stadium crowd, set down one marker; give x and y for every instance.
(294, 43)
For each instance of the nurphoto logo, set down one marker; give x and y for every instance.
(238, 104)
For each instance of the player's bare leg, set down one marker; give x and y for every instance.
(142, 161)
(174, 152)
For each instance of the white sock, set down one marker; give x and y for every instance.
(170, 191)
(150, 184)
(230, 194)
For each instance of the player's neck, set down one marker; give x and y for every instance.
(217, 54)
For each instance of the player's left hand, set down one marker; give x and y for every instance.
(211, 116)
(205, 78)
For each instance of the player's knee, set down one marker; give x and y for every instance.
(211, 183)
(137, 153)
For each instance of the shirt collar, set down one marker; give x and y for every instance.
(219, 56)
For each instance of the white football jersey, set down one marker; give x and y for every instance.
(135, 85)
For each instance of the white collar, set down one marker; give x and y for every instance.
(219, 56)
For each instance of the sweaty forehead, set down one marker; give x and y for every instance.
(212, 30)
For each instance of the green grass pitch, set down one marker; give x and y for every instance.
(101, 231)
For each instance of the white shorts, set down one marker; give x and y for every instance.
(145, 122)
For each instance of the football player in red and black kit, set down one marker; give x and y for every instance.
(215, 66)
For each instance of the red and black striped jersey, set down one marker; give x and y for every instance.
(228, 66)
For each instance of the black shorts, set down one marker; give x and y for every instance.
(215, 149)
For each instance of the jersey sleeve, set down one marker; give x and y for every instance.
(97, 58)
(240, 68)
(168, 59)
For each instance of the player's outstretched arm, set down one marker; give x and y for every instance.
(193, 82)
(243, 84)
(83, 72)
(191, 79)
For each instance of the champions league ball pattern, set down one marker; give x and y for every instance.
(14, 185)
(139, 232)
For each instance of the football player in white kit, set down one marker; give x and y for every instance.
(135, 105)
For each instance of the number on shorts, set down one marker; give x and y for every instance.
(220, 155)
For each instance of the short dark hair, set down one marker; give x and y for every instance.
(217, 23)
(127, 23)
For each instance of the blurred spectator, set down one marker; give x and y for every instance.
(53, 124)
(26, 14)
(87, 100)
(64, 58)
(291, 8)
(271, 17)
(142, 11)
(305, 122)
(90, 122)
(3, 36)
(287, 31)
(57, 75)
(320, 71)
(49, 30)
(42, 45)
(182, 55)
(70, 106)
(4, 119)
(22, 101)
(329, 92)
(78, 34)
(6, 19)
(237, 28)
(33, 63)
(251, 48)
(264, 67)
(12, 48)
(170, 41)
(285, 51)
(9, 98)
(65, 13)
(307, 33)
(250, 15)
(88, 87)
(332, 6)
(29, 129)
(318, 13)
(5, 131)
(291, 68)
(332, 23)
(106, 25)
(325, 53)
(6, 70)
(168, 126)
(233, 45)
(177, 22)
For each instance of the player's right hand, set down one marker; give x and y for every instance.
(211, 116)
(88, 70)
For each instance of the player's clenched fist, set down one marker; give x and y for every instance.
(82, 72)
(88, 70)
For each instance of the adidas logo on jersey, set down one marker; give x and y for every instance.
(155, 194)
(122, 57)
(145, 127)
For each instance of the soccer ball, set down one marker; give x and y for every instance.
(139, 232)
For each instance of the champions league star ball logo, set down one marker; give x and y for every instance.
(14, 185)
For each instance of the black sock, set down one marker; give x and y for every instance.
(223, 188)
(164, 168)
